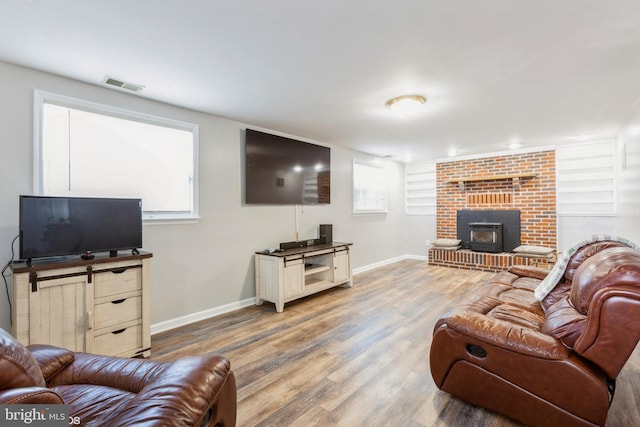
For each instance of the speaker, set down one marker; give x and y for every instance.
(326, 233)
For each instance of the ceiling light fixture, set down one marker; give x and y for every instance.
(405, 104)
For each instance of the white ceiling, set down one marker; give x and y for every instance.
(541, 72)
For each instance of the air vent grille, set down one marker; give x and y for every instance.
(123, 84)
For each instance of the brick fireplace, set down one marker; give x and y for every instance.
(524, 182)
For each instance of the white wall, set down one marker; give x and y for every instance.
(575, 228)
(201, 266)
(419, 229)
(628, 197)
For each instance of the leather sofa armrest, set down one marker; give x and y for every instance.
(193, 391)
(505, 335)
(529, 271)
(51, 359)
(612, 331)
(29, 395)
(184, 392)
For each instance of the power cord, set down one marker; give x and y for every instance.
(6, 284)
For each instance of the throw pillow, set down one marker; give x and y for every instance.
(533, 250)
(444, 243)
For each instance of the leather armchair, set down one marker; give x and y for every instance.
(544, 363)
(113, 391)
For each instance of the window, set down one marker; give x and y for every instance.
(369, 187)
(87, 149)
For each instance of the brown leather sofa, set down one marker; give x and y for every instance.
(111, 391)
(544, 363)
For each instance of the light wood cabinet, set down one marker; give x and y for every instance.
(285, 276)
(342, 265)
(59, 312)
(97, 306)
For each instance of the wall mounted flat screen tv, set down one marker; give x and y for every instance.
(60, 226)
(285, 171)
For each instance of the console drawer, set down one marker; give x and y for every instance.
(117, 281)
(117, 312)
(120, 342)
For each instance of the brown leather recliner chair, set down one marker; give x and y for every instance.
(113, 391)
(544, 363)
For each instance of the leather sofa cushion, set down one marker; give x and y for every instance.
(529, 271)
(564, 322)
(586, 252)
(503, 325)
(566, 318)
(559, 292)
(564, 285)
(50, 359)
(18, 368)
(90, 402)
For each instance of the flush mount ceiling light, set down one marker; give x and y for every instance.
(405, 104)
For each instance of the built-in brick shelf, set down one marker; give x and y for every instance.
(469, 260)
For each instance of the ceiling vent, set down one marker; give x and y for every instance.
(123, 85)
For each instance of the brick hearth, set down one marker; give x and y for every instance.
(469, 260)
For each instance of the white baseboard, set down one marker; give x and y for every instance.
(201, 315)
(387, 262)
(216, 311)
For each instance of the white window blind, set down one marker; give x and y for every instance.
(87, 149)
(585, 177)
(420, 188)
(369, 187)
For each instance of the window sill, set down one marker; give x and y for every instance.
(163, 220)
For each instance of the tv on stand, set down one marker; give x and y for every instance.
(63, 226)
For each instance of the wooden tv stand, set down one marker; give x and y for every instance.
(96, 306)
(285, 276)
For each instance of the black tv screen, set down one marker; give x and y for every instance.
(60, 226)
(285, 171)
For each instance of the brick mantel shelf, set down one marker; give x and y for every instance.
(515, 179)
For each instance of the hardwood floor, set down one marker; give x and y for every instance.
(354, 356)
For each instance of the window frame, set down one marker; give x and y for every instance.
(382, 169)
(42, 97)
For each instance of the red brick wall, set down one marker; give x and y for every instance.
(536, 197)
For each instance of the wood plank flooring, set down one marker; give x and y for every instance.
(354, 356)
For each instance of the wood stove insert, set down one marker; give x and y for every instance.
(485, 236)
(510, 220)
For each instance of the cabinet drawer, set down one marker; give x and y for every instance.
(118, 281)
(116, 343)
(117, 312)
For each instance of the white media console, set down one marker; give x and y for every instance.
(285, 276)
